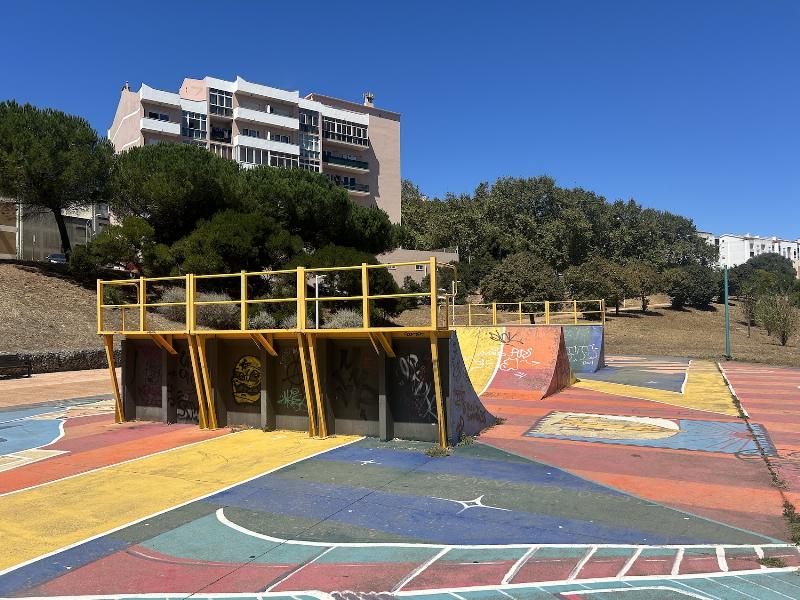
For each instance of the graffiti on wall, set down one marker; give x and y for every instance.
(353, 383)
(466, 414)
(584, 347)
(291, 391)
(147, 371)
(246, 380)
(181, 392)
(413, 397)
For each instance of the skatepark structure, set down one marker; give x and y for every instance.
(424, 382)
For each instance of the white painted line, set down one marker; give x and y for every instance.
(166, 510)
(581, 563)
(407, 579)
(660, 588)
(723, 563)
(299, 568)
(676, 566)
(629, 563)
(512, 572)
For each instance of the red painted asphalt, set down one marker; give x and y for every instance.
(771, 397)
(96, 441)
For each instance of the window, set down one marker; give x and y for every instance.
(157, 116)
(309, 164)
(251, 132)
(193, 125)
(279, 137)
(279, 159)
(344, 131)
(220, 102)
(419, 267)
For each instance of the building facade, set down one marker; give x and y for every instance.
(738, 249)
(416, 272)
(357, 146)
(26, 234)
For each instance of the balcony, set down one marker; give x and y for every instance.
(220, 135)
(148, 94)
(346, 164)
(264, 118)
(347, 141)
(162, 127)
(357, 189)
(252, 142)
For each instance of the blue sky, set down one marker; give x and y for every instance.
(687, 106)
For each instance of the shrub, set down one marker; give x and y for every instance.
(261, 320)
(694, 284)
(776, 313)
(216, 316)
(346, 318)
(289, 322)
(177, 312)
(597, 278)
(522, 277)
(641, 280)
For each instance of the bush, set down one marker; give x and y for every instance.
(695, 285)
(641, 280)
(289, 322)
(173, 313)
(777, 315)
(217, 316)
(522, 277)
(595, 279)
(261, 320)
(344, 319)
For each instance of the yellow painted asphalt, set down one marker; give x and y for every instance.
(705, 390)
(44, 519)
(481, 354)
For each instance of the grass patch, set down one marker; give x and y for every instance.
(437, 452)
(466, 440)
(773, 563)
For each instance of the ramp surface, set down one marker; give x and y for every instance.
(515, 363)
(585, 347)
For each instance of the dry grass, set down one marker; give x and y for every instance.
(696, 334)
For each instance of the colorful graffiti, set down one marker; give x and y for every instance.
(246, 380)
(585, 347)
(291, 393)
(413, 397)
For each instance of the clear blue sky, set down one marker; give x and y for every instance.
(688, 106)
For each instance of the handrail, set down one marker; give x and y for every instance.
(578, 314)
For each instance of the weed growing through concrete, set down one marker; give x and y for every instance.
(772, 563)
(437, 452)
(466, 440)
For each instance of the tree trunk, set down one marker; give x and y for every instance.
(616, 308)
(66, 247)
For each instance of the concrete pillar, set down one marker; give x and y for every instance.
(385, 421)
(164, 386)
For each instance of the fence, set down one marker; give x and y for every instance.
(562, 312)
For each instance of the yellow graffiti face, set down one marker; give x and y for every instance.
(247, 380)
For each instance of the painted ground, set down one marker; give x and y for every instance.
(639, 483)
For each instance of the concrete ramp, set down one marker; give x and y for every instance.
(466, 414)
(515, 363)
(585, 347)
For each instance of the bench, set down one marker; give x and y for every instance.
(15, 364)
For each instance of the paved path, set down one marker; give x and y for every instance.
(48, 387)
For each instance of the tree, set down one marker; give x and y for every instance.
(173, 187)
(642, 280)
(522, 277)
(778, 316)
(694, 284)
(597, 278)
(51, 161)
(780, 267)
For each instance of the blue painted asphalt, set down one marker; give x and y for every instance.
(25, 434)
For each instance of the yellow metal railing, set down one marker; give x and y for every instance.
(133, 312)
(557, 312)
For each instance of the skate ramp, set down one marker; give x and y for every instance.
(585, 347)
(515, 363)
(466, 414)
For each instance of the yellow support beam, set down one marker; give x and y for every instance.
(312, 352)
(385, 341)
(212, 411)
(437, 385)
(142, 305)
(312, 424)
(364, 296)
(434, 293)
(119, 413)
(164, 343)
(265, 343)
(198, 385)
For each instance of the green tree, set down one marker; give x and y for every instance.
(597, 278)
(776, 313)
(51, 161)
(173, 187)
(693, 284)
(642, 280)
(522, 277)
(779, 266)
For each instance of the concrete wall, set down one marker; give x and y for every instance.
(402, 255)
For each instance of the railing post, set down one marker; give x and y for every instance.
(547, 312)
(603, 309)
(575, 310)
(189, 298)
(243, 302)
(469, 314)
(520, 313)
(434, 293)
(142, 307)
(100, 305)
(365, 296)
(494, 313)
(301, 299)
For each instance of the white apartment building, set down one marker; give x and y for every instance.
(738, 249)
(357, 146)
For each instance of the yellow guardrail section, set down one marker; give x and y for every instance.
(556, 312)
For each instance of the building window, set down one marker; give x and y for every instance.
(220, 150)
(309, 121)
(157, 116)
(220, 134)
(279, 137)
(344, 131)
(251, 132)
(220, 102)
(309, 145)
(193, 125)
(279, 159)
(419, 267)
(309, 164)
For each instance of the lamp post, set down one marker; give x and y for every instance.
(727, 316)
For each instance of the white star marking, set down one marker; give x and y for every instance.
(476, 503)
(368, 462)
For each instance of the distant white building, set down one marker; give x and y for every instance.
(738, 249)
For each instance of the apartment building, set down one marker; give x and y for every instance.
(738, 249)
(357, 146)
(416, 272)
